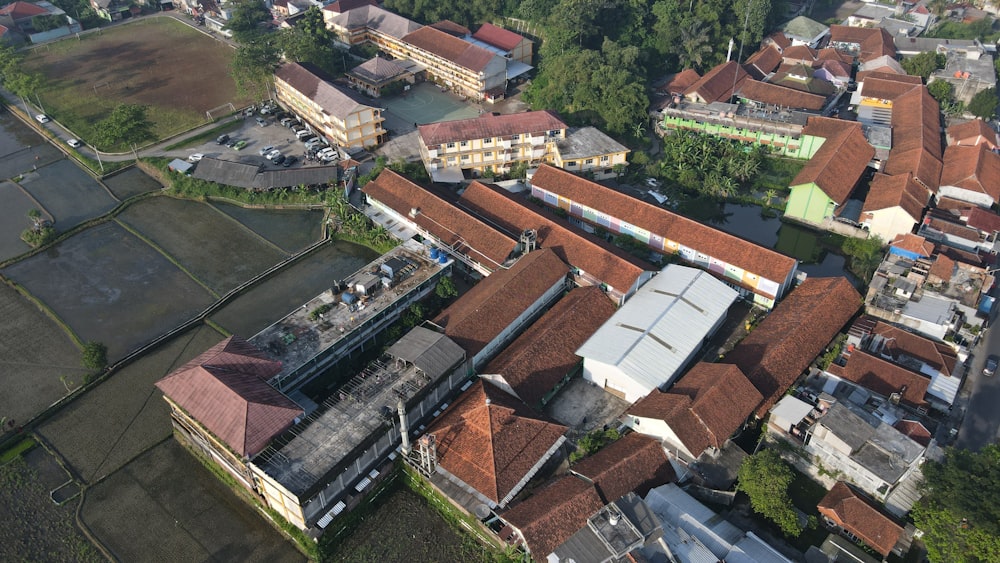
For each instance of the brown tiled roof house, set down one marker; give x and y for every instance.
(975, 132)
(780, 349)
(718, 84)
(493, 442)
(853, 512)
(839, 163)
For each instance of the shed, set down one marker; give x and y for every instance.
(366, 283)
(181, 166)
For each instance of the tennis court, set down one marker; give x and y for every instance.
(425, 103)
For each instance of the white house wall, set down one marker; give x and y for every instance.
(888, 223)
(659, 429)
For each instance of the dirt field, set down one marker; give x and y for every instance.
(111, 287)
(68, 194)
(34, 354)
(176, 70)
(216, 249)
(405, 529)
(35, 528)
(275, 297)
(291, 230)
(130, 183)
(164, 506)
(125, 415)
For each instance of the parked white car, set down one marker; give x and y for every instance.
(265, 150)
(74, 143)
(272, 155)
(42, 118)
(196, 157)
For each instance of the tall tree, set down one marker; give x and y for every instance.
(765, 478)
(253, 66)
(960, 511)
(984, 104)
(246, 18)
(694, 46)
(924, 64)
(127, 124)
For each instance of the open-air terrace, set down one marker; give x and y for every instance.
(341, 318)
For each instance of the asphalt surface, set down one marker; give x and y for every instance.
(981, 425)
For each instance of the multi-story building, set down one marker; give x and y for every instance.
(470, 70)
(335, 112)
(368, 23)
(494, 143)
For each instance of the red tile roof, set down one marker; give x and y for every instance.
(834, 67)
(797, 53)
(872, 42)
(498, 37)
(341, 6)
(452, 28)
(489, 308)
(702, 238)
(916, 142)
(226, 391)
(586, 252)
(776, 353)
(780, 40)
(897, 191)
(634, 463)
(913, 243)
(451, 225)
(899, 342)
(886, 86)
(828, 54)
(973, 132)
(983, 220)
(535, 363)
(954, 206)
(858, 515)
(491, 441)
(489, 126)
(765, 61)
(840, 161)
(914, 431)
(719, 83)
(554, 513)
(450, 48)
(21, 10)
(975, 168)
(767, 93)
(943, 268)
(883, 377)
(705, 407)
(680, 82)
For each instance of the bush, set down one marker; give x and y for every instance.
(95, 356)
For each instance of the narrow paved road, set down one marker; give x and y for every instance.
(982, 417)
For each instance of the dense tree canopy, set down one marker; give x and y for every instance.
(127, 124)
(13, 76)
(765, 478)
(984, 104)
(253, 66)
(960, 511)
(246, 19)
(311, 42)
(924, 64)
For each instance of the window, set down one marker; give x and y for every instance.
(488, 141)
(571, 164)
(465, 157)
(464, 143)
(488, 154)
(589, 161)
(605, 158)
(451, 160)
(554, 133)
(450, 145)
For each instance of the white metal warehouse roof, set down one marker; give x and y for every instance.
(653, 334)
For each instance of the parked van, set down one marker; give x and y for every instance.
(303, 134)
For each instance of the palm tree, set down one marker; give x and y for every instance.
(694, 45)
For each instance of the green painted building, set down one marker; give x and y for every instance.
(809, 202)
(783, 138)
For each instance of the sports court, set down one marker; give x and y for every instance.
(425, 103)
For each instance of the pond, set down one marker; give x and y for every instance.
(805, 245)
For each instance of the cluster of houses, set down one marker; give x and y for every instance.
(880, 170)
(34, 22)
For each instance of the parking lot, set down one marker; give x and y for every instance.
(257, 137)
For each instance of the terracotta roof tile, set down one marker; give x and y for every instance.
(705, 407)
(336, 100)
(840, 161)
(779, 39)
(973, 132)
(834, 67)
(634, 463)
(450, 48)
(21, 10)
(883, 377)
(719, 83)
(984, 220)
(913, 243)
(488, 126)
(341, 6)
(828, 54)
(859, 516)
(226, 391)
(776, 353)
(900, 190)
(885, 86)
(952, 205)
(491, 441)
(535, 363)
(943, 267)
(680, 81)
(797, 53)
(577, 248)
(452, 28)
(950, 227)
(765, 61)
(702, 238)
(498, 37)
(489, 308)
(916, 143)
(914, 431)
(554, 513)
(451, 225)
(774, 94)
(872, 42)
(974, 168)
(377, 70)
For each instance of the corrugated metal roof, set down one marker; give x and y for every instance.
(432, 353)
(651, 337)
(677, 509)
